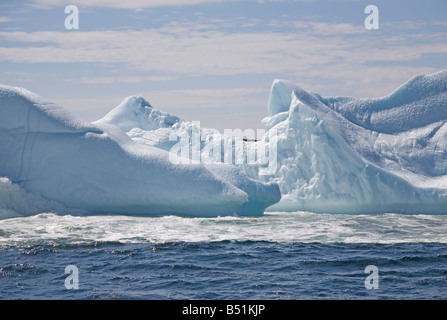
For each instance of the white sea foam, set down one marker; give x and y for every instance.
(294, 227)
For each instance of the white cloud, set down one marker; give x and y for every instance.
(195, 97)
(5, 19)
(185, 50)
(138, 4)
(357, 62)
(326, 28)
(119, 79)
(128, 4)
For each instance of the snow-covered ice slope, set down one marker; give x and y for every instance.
(337, 155)
(46, 151)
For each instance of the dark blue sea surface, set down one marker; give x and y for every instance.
(225, 269)
(278, 256)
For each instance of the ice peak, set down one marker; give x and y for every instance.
(137, 112)
(280, 96)
(135, 102)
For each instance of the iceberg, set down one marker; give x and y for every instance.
(350, 155)
(334, 154)
(45, 150)
(154, 128)
(331, 154)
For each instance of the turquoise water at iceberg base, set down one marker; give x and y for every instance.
(297, 255)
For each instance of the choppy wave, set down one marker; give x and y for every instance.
(296, 227)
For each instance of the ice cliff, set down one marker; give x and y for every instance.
(353, 155)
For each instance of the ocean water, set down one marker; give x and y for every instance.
(278, 256)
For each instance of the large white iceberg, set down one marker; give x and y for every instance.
(97, 168)
(336, 155)
(331, 154)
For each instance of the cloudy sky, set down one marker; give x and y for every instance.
(214, 60)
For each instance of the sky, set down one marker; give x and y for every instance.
(214, 61)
